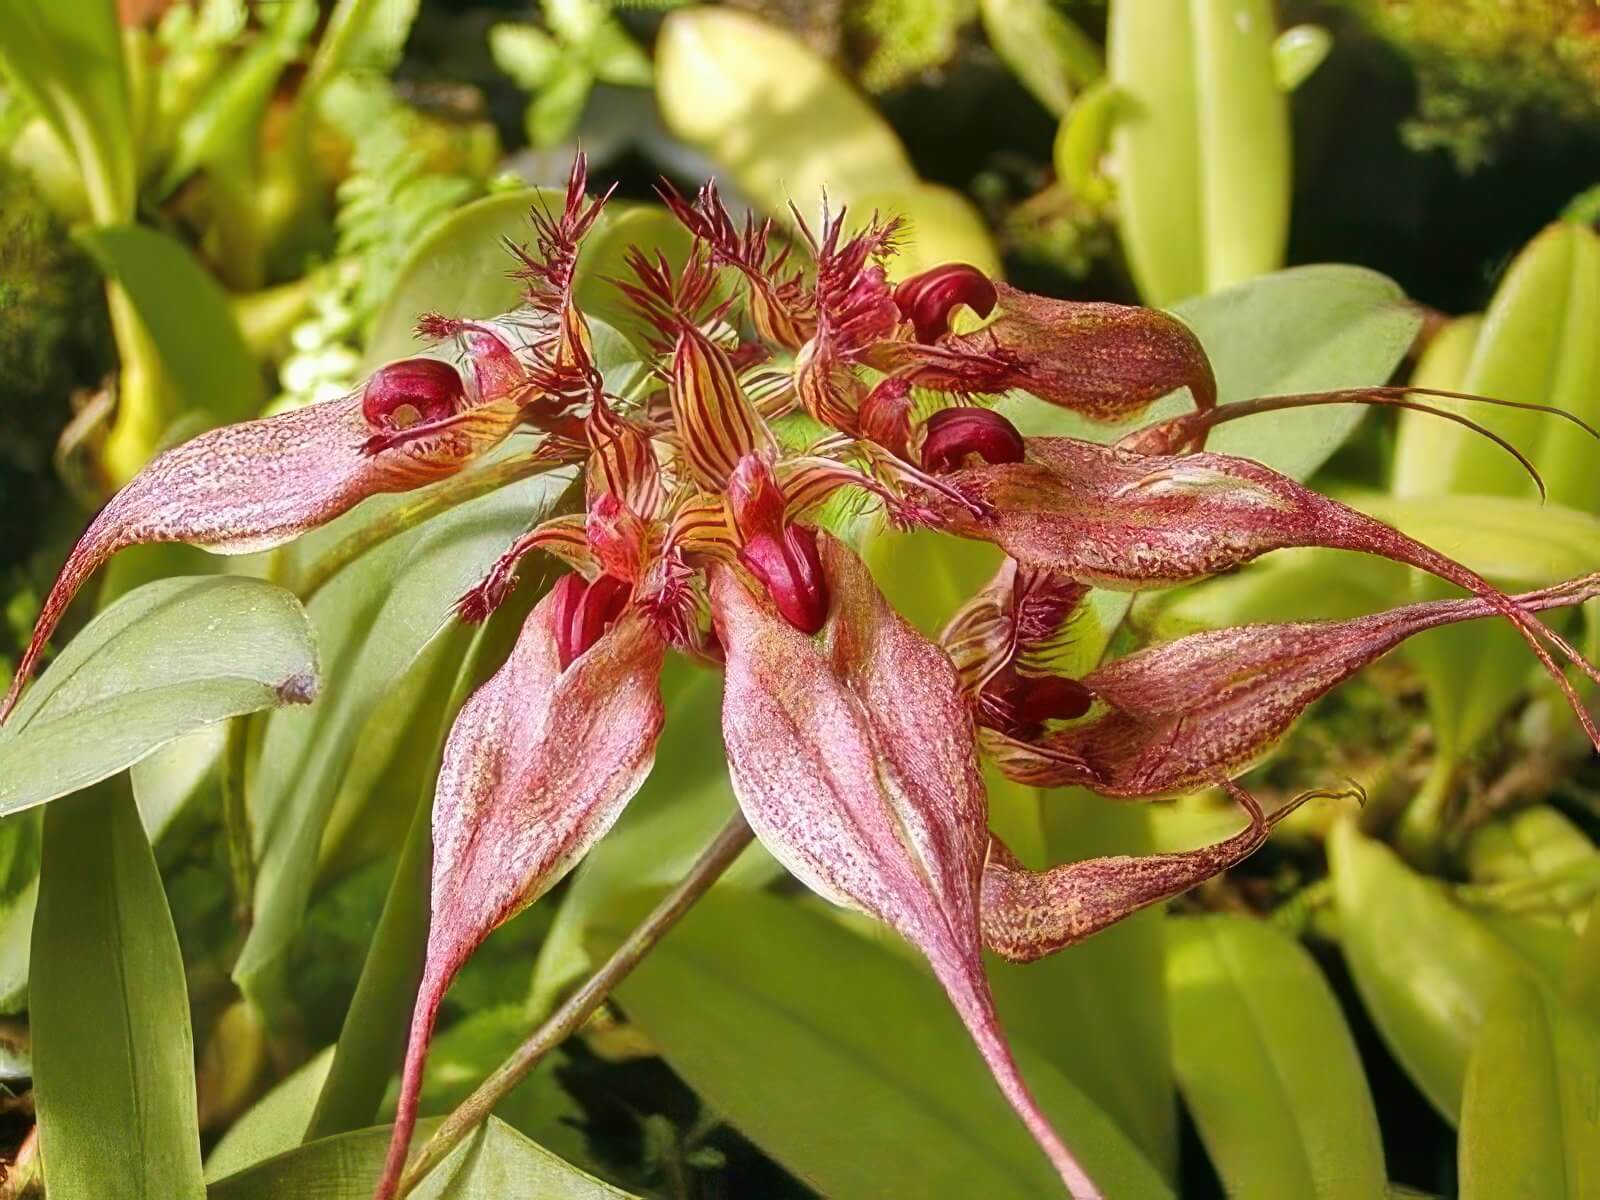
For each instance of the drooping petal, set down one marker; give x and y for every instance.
(1184, 714)
(1106, 361)
(1028, 914)
(258, 484)
(852, 756)
(538, 766)
(1117, 519)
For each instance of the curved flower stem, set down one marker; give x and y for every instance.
(402, 517)
(716, 858)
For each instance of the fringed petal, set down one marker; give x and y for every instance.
(1186, 713)
(851, 754)
(538, 766)
(1129, 521)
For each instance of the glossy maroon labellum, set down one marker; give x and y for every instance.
(1019, 705)
(789, 566)
(953, 435)
(408, 392)
(928, 299)
(584, 611)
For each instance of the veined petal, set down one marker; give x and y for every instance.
(1117, 519)
(258, 484)
(1186, 713)
(1028, 914)
(852, 756)
(1106, 361)
(538, 766)
(714, 417)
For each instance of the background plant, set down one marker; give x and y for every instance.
(273, 192)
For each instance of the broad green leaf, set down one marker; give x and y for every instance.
(373, 620)
(1267, 1067)
(187, 317)
(684, 802)
(1529, 1122)
(167, 659)
(1201, 144)
(1044, 49)
(174, 778)
(844, 1061)
(362, 34)
(1581, 987)
(66, 57)
(112, 1052)
(1426, 970)
(1290, 585)
(775, 115)
(495, 1163)
(274, 1124)
(1536, 345)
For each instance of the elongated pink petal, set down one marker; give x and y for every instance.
(540, 763)
(1106, 361)
(1123, 520)
(1028, 914)
(259, 484)
(1186, 713)
(852, 756)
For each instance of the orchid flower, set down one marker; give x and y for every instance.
(852, 741)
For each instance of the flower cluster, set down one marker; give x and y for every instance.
(853, 741)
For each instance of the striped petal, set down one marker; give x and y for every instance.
(715, 419)
(851, 754)
(540, 763)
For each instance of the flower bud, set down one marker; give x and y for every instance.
(928, 299)
(410, 391)
(791, 569)
(953, 435)
(584, 611)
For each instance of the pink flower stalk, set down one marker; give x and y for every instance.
(852, 741)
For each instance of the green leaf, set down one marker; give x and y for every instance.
(362, 34)
(496, 1163)
(776, 116)
(112, 1052)
(1201, 146)
(1297, 52)
(137, 677)
(373, 620)
(1044, 49)
(1529, 1122)
(1426, 970)
(187, 316)
(19, 894)
(66, 57)
(526, 53)
(1267, 1067)
(1536, 345)
(554, 111)
(274, 1124)
(879, 1081)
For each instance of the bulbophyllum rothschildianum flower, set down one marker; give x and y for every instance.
(852, 740)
